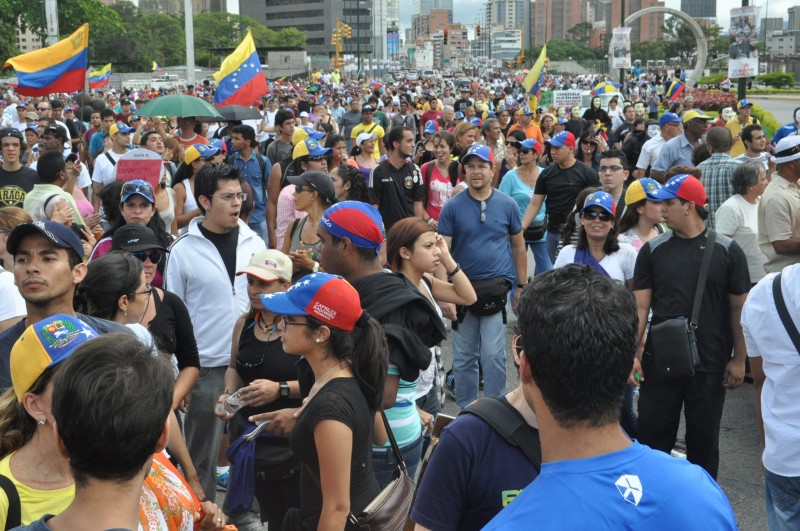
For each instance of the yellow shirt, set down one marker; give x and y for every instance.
(34, 503)
(377, 131)
(735, 127)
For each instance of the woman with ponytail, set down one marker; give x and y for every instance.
(322, 320)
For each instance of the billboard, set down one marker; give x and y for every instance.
(743, 50)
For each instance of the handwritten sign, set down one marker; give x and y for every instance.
(140, 164)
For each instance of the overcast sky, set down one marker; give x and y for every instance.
(468, 10)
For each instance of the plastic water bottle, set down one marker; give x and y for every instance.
(232, 404)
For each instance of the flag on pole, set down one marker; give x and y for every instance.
(57, 68)
(535, 79)
(240, 79)
(675, 90)
(100, 78)
(157, 68)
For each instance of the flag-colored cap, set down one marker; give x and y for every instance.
(686, 187)
(644, 188)
(602, 200)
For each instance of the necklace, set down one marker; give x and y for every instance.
(264, 328)
(319, 384)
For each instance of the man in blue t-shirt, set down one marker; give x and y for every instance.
(483, 230)
(578, 334)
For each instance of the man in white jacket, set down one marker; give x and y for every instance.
(201, 270)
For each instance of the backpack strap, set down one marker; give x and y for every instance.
(509, 423)
(110, 159)
(14, 516)
(783, 312)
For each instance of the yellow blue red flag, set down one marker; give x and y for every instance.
(675, 89)
(535, 79)
(240, 80)
(57, 68)
(100, 78)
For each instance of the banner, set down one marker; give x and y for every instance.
(561, 98)
(51, 15)
(621, 46)
(743, 51)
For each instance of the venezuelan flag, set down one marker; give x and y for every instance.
(57, 68)
(156, 68)
(675, 90)
(535, 79)
(100, 78)
(240, 79)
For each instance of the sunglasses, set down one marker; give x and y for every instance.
(42, 108)
(135, 188)
(301, 189)
(483, 211)
(316, 159)
(525, 151)
(142, 256)
(594, 214)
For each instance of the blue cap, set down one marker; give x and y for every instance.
(431, 127)
(600, 199)
(459, 115)
(480, 151)
(199, 151)
(529, 143)
(669, 118)
(562, 121)
(58, 234)
(312, 133)
(744, 103)
(642, 189)
(475, 121)
(216, 143)
(137, 187)
(527, 110)
(686, 187)
(120, 127)
(564, 138)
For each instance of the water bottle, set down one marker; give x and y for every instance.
(231, 405)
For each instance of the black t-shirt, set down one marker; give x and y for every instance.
(226, 245)
(575, 127)
(341, 400)
(394, 190)
(264, 360)
(15, 185)
(560, 188)
(462, 104)
(670, 266)
(173, 331)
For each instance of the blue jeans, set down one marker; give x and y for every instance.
(541, 256)
(552, 245)
(783, 501)
(484, 339)
(384, 462)
(260, 228)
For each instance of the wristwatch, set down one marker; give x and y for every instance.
(284, 389)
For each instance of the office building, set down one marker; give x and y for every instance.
(553, 18)
(700, 8)
(422, 7)
(509, 14)
(769, 25)
(794, 18)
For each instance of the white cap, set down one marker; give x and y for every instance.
(366, 136)
(304, 114)
(787, 150)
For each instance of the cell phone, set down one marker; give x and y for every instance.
(72, 157)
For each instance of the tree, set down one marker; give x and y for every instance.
(581, 32)
(777, 79)
(679, 41)
(648, 51)
(568, 50)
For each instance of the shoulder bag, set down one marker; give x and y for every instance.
(783, 311)
(674, 342)
(388, 511)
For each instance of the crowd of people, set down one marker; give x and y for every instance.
(288, 280)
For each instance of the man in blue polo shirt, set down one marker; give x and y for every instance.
(578, 333)
(678, 151)
(484, 233)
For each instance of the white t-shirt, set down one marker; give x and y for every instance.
(739, 219)
(763, 159)
(619, 265)
(83, 181)
(105, 172)
(13, 304)
(650, 151)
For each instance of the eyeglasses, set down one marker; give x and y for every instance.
(130, 188)
(241, 196)
(284, 322)
(524, 151)
(591, 215)
(42, 108)
(153, 255)
(147, 291)
(483, 211)
(316, 159)
(300, 189)
(515, 344)
(603, 169)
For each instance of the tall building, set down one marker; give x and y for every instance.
(174, 7)
(421, 7)
(552, 18)
(646, 28)
(794, 18)
(426, 25)
(699, 8)
(507, 13)
(768, 25)
(28, 40)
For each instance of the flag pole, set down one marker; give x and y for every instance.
(189, 30)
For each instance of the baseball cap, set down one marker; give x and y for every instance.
(134, 237)
(124, 101)
(744, 103)
(367, 108)
(136, 187)
(301, 133)
(43, 345)
(199, 151)
(328, 298)
(310, 147)
(282, 116)
(475, 121)
(12, 132)
(217, 143)
(269, 266)
(564, 138)
(459, 115)
(529, 143)
(58, 234)
(56, 131)
(431, 127)
(641, 189)
(319, 181)
(480, 151)
(669, 118)
(787, 149)
(32, 116)
(600, 199)
(304, 114)
(359, 222)
(686, 187)
(365, 136)
(561, 121)
(693, 115)
(526, 110)
(120, 127)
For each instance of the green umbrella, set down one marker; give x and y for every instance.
(178, 105)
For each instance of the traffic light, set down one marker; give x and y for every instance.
(346, 31)
(478, 30)
(446, 35)
(335, 39)
(546, 62)
(521, 60)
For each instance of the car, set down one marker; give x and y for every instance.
(459, 73)
(447, 73)
(428, 74)
(389, 78)
(412, 76)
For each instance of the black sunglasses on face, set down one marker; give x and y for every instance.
(594, 214)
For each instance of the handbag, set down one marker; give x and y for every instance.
(388, 511)
(492, 294)
(673, 341)
(535, 231)
(783, 312)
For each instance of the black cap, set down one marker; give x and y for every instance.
(319, 181)
(55, 130)
(125, 102)
(367, 108)
(134, 237)
(10, 131)
(58, 234)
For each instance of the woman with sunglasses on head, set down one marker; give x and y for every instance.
(589, 150)
(322, 320)
(194, 158)
(597, 245)
(519, 184)
(265, 378)
(164, 193)
(137, 204)
(362, 156)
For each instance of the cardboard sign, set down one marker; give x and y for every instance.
(140, 164)
(561, 98)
